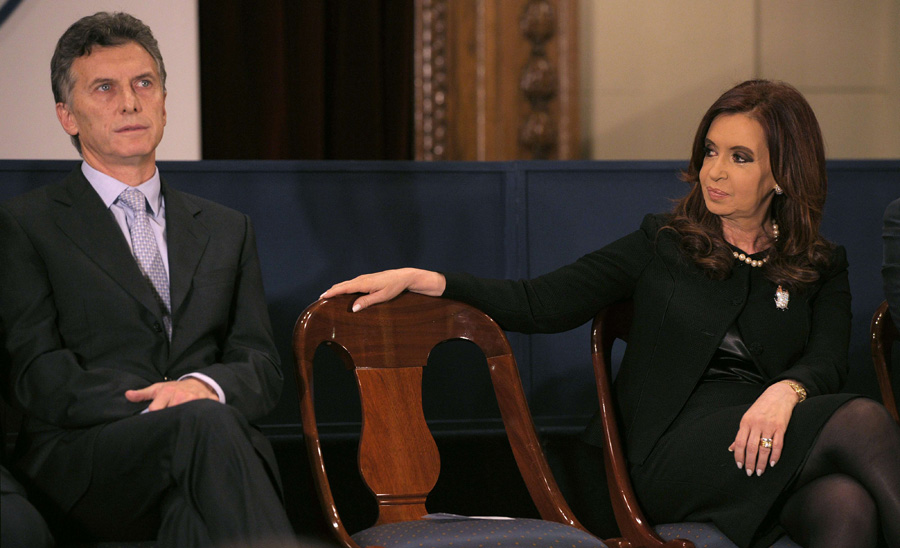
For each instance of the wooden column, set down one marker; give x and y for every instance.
(496, 80)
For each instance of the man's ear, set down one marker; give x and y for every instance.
(66, 119)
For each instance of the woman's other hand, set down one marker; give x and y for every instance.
(768, 419)
(384, 286)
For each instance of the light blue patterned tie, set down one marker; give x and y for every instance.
(143, 244)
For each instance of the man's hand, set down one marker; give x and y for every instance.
(171, 393)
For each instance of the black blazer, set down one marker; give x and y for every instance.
(680, 317)
(890, 269)
(82, 326)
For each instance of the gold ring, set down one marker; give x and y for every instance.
(765, 443)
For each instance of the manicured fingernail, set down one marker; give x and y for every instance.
(771, 463)
(740, 465)
(758, 472)
(356, 307)
(749, 472)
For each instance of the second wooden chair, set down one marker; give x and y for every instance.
(610, 324)
(884, 335)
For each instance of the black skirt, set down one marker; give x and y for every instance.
(691, 475)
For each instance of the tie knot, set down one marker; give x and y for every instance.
(134, 199)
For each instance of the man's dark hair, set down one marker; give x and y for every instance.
(101, 29)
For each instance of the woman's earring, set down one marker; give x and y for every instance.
(778, 190)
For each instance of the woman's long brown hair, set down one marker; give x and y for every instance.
(797, 157)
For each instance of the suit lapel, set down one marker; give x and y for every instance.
(186, 238)
(83, 217)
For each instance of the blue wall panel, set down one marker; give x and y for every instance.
(321, 222)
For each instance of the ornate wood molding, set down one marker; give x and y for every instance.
(496, 79)
(430, 79)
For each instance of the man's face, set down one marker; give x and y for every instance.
(117, 107)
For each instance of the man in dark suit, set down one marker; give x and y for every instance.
(136, 323)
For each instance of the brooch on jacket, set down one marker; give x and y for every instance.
(781, 298)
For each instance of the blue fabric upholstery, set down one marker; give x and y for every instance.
(437, 533)
(706, 535)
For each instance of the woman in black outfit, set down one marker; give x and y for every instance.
(728, 387)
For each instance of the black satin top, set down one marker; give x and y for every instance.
(732, 361)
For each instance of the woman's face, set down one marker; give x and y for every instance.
(736, 176)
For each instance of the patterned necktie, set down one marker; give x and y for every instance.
(143, 244)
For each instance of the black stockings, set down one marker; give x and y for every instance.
(850, 485)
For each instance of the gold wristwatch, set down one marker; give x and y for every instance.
(798, 388)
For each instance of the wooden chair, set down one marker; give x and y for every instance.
(386, 347)
(884, 334)
(610, 324)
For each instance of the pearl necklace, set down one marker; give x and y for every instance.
(754, 262)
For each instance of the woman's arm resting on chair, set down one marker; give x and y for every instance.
(384, 286)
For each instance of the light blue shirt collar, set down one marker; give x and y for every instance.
(109, 188)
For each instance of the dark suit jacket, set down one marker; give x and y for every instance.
(890, 269)
(82, 326)
(680, 317)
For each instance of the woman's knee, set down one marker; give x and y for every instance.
(833, 510)
(853, 512)
(859, 427)
(864, 411)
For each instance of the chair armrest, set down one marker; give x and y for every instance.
(884, 334)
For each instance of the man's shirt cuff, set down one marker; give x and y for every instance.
(206, 379)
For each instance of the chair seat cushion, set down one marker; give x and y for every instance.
(437, 533)
(706, 535)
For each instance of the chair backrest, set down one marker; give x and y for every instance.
(387, 347)
(884, 334)
(611, 323)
